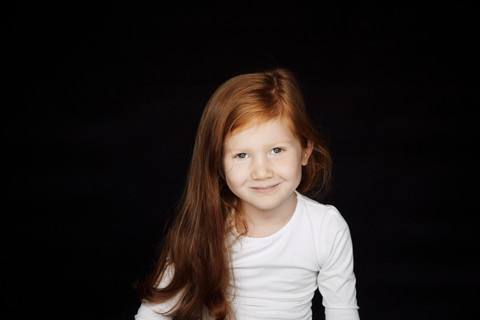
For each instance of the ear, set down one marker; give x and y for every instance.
(307, 152)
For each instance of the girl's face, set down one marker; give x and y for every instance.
(263, 167)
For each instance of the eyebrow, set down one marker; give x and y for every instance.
(273, 144)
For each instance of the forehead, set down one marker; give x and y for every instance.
(262, 132)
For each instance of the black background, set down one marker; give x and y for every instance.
(100, 112)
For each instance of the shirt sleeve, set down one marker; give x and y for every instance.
(151, 311)
(148, 311)
(336, 279)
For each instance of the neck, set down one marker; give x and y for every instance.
(263, 223)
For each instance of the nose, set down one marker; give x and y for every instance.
(261, 169)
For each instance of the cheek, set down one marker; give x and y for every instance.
(292, 172)
(295, 173)
(291, 167)
(233, 175)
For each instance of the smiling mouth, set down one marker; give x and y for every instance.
(265, 189)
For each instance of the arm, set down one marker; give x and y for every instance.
(151, 311)
(336, 279)
(147, 312)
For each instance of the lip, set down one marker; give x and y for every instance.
(265, 189)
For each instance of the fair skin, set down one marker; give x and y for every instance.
(263, 168)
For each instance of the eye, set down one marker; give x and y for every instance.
(242, 155)
(277, 150)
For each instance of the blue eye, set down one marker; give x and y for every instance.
(277, 150)
(241, 155)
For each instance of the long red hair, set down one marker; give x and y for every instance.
(197, 245)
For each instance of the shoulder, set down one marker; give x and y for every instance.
(322, 215)
(327, 226)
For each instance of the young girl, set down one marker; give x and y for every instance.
(246, 244)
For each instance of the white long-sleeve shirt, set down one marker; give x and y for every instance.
(276, 276)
